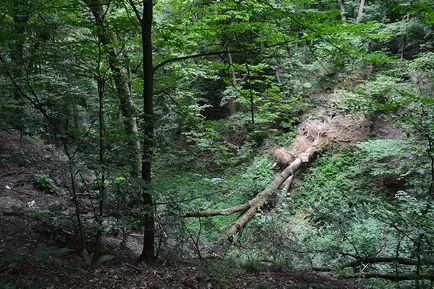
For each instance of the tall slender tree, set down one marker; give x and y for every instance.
(120, 78)
(145, 18)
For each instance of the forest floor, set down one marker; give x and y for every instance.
(23, 262)
(24, 160)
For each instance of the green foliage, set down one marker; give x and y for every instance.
(324, 186)
(255, 177)
(43, 255)
(45, 183)
(50, 255)
(252, 265)
(22, 283)
(14, 255)
(257, 66)
(88, 258)
(219, 272)
(263, 285)
(345, 199)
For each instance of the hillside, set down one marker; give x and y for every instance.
(216, 144)
(34, 252)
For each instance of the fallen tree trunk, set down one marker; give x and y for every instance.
(386, 259)
(263, 196)
(392, 276)
(374, 260)
(222, 212)
(239, 208)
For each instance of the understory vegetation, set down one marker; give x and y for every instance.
(212, 139)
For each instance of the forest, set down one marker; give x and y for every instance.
(217, 144)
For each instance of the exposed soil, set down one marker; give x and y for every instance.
(340, 127)
(20, 161)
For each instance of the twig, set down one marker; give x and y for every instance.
(134, 267)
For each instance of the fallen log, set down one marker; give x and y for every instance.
(262, 197)
(392, 276)
(374, 260)
(222, 212)
(240, 208)
(378, 259)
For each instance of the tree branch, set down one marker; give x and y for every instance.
(223, 212)
(211, 53)
(386, 259)
(262, 197)
(136, 11)
(392, 276)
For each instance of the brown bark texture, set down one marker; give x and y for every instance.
(148, 252)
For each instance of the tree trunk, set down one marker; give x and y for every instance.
(278, 76)
(360, 13)
(405, 19)
(222, 212)
(240, 208)
(263, 196)
(121, 84)
(148, 133)
(231, 102)
(20, 19)
(102, 170)
(343, 12)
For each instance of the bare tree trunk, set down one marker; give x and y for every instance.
(343, 11)
(102, 171)
(231, 103)
(222, 212)
(20, 19)
(74, 194)
(405, 19)
(360, 13)
(278, 76)
(148, 134)
(121, 83)
(145, 19)
(240, 208)
(263, 196)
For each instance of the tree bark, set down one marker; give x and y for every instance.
(148, 133)
(121, 83)
(387, 259)
(240, 208)
(263, 196)
(231, 102)
(343, 11)
(20, 18)
(360, 13)
(222, 212)
(393, 276)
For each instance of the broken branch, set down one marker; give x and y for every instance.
(223, 212)
(263, 196)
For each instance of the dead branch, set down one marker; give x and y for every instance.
(263, 196)
(133, 267)
(286, 184)
(284, 192)
(372, 260)
(222, 212)
(393, 276)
